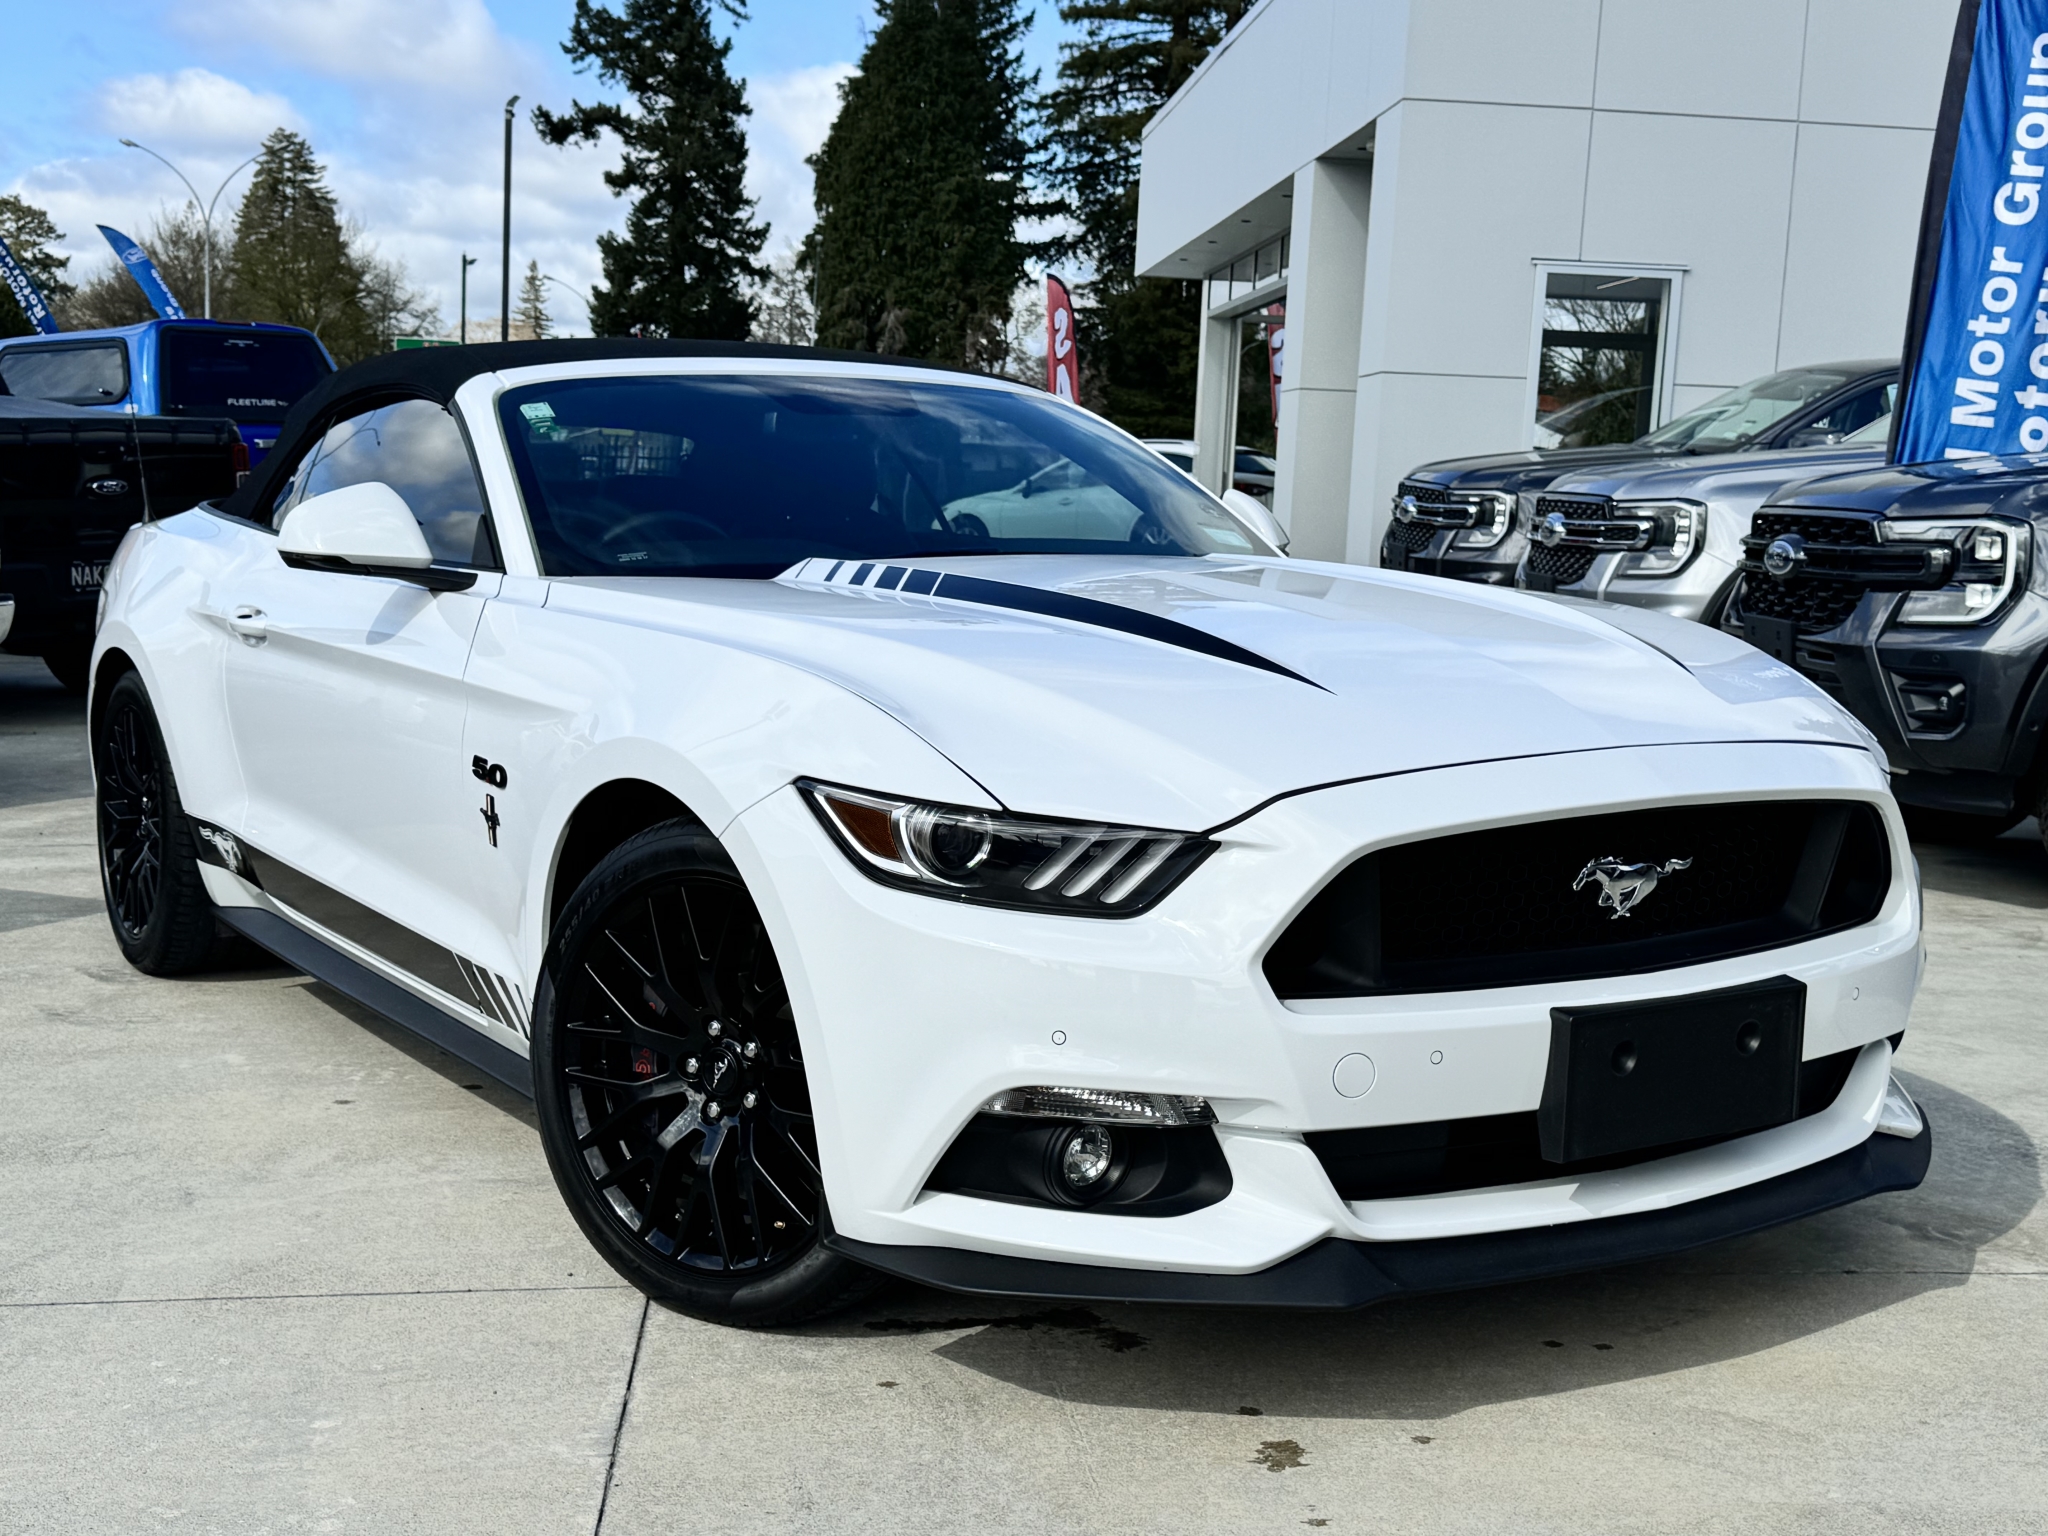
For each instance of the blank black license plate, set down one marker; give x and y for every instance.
(1630, 1076)
(1774, 637)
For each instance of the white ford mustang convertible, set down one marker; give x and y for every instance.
(864, 882)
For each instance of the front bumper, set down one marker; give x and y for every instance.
(1691, 593)
(1338, 1274)
(1975, 763)
(915, 1011)
(1439, 556)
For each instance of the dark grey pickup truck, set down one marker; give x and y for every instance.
(72, 482)
(1918, 596)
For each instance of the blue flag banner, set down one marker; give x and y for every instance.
(146, 276)
(26, 293)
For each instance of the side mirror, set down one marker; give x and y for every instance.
(364, 530)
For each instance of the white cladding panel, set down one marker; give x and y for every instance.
(1731, 58)
(1878, 62)
(1446, 300)
(1855, 218)
(1502, 51)
(1708, 194)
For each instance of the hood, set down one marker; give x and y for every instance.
(1530, 470)
(1749, 476)
(1954, 486)
(1186, 692)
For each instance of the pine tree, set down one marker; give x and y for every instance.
(686, 261)
(530, 314)
(922, 183)
(29, 235)
(291, 258)
(1138, 336)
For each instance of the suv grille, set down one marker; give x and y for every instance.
(1411, 536)
(1844, 559)
(1562, 564)
(1424, 494)
(1594, 508)
(1498, 908)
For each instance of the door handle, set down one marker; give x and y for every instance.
(250, 624)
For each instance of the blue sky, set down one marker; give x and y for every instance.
(403, 101)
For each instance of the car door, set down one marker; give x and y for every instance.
(345, 702)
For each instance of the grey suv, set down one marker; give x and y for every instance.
(1918, 596)
(1669, 536)
(1458, 517)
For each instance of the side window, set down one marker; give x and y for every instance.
(1846, 416)
(76, 375)
(414, 447)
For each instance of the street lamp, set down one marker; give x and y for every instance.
(505, 282)
(468, 261)
(206, 219)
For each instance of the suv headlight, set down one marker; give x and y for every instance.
(1678, 528)
(1983, 571)
(1088, 869)
(1493, 514)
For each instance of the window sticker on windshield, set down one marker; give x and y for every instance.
(538, 411)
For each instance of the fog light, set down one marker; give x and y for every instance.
(1085, 1155)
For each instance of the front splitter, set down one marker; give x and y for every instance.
(1338, 1274)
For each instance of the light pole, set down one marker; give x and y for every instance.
(206, 219)
(549, 277)
(505, 276)
(468, 261)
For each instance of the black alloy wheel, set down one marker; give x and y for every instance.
(149, 870)
(670, 1084)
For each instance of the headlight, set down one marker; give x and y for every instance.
(1983, 570)
(961, 854)
(1493, 513)
(1677, 529)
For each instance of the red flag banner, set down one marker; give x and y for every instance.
(1062, 362)
(1276, 351)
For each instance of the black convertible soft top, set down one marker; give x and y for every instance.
(436, 373)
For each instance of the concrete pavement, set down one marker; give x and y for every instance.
(268, 1264)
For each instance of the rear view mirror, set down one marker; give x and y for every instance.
(365, 530)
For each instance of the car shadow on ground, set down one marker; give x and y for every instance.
(1434, 1357)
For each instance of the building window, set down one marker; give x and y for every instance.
(1600, 357)
(1250, 274)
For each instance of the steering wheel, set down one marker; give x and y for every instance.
(1149, 533)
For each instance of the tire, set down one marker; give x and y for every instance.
(661, 1006)
(1930, 826)
(149, 870)
(71, 664)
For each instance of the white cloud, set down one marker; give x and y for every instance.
(454, 46)
(792, 115)
(193, 110)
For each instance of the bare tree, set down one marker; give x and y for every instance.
(783, 311)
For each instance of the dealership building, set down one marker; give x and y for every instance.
(1475, 212)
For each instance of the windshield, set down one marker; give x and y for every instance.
(745, 476)
(248, 374)
(1730, 420)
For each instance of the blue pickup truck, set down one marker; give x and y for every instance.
(204, 368)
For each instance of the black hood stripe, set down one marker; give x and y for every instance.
(956, 588)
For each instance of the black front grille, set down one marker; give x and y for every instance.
(1561, 564)
(1499, 908)
(1817, 527)
(1425, 495)
(1410, 536)
(1436, 1157)
(1815, 604)
(1577, 508)
(1843, 558)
